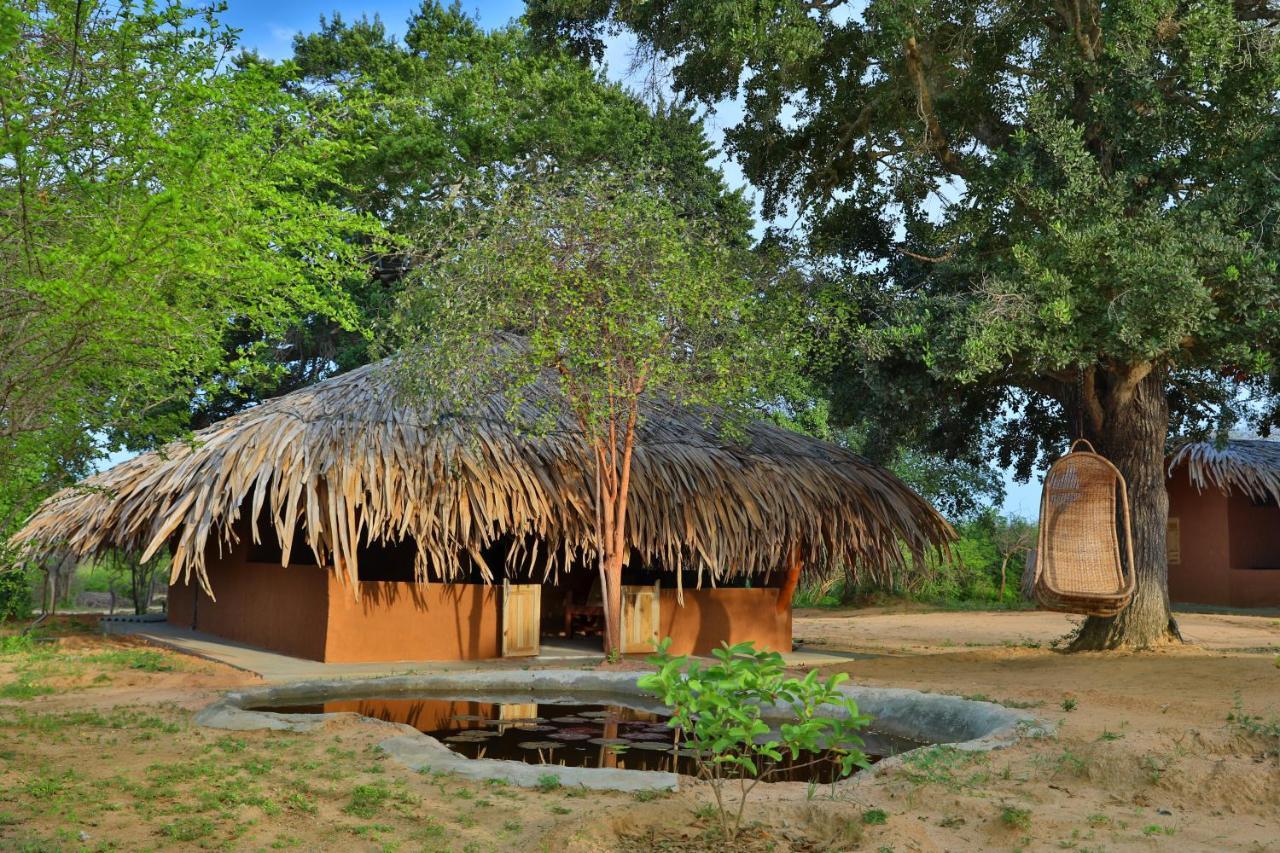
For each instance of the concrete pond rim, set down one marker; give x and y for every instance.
(933, 718)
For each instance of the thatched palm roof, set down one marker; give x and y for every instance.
(348, 463)
(1249, 466)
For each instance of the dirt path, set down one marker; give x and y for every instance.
(913, 630)
(1145, 757)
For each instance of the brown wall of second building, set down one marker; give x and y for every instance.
(409, 621)
(264, 605)
(1254, 576)
(1201, 576)
(1230, 548)
(712, 616)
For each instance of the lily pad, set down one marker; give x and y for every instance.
(608, 741)
(463, 739)
(569, 736)
(539, 744)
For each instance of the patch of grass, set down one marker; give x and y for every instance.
(146, 660)
(947, 766)
(21, 689)
(188, 829)
(649, 796)
(1256, 727)
(367, 800)
(548, 782)
(1157, 829)
(875, 817)
(706, 811)
(1015, 817)
(1069, 703)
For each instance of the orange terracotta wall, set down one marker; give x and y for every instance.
(407, 621)
(1230, 548)
(1202, 576)
(269, 606)
(712, 616)
(1254, 577)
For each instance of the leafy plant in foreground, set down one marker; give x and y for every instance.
(719, 712)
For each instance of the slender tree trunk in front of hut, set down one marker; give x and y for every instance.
(1128, 425)
(613, 469)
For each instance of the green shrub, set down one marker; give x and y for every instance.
(15, 594)
(970, 578)
(1016, 818)
(719, 711)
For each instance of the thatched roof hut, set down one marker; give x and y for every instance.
(345, 462)
(1250, 467)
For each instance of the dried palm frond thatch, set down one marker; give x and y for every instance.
(1248, 466)
(347, 462)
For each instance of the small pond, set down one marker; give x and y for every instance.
(611, 736)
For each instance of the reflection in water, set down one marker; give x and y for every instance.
(614, 736)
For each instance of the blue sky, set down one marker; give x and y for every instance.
(270, 28)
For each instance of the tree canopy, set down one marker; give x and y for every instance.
(1034, 219)
(152, 201)
(449, 103)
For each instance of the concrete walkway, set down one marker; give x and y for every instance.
(277, 668)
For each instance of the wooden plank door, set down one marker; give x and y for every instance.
(640, 619)
(521, 619)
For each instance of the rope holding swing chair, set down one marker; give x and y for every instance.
(1084, 513)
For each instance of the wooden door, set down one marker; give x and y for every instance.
(521, 619)
(640, 619)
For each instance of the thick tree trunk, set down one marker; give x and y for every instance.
(1133, 438)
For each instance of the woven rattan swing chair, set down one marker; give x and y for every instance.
(1084, 513)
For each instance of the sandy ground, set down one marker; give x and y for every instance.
(1145, 759)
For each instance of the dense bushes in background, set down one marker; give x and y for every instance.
(972, 577)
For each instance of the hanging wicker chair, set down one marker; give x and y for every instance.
(1084, 513)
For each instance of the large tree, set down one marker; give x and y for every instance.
(151, 202)
(1050, 216)
(444, 104)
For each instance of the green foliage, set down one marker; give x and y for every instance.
(1266, 730)
(15, 594)
(548, 782)
(447, 102)
(986, 545)
(1043, 193)
(719, 710)
(367, 800)
(1016, 818)
(613, 292)
(154, 201)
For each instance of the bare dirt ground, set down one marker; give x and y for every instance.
(98, 751)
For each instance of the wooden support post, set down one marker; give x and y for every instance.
(791, 581)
